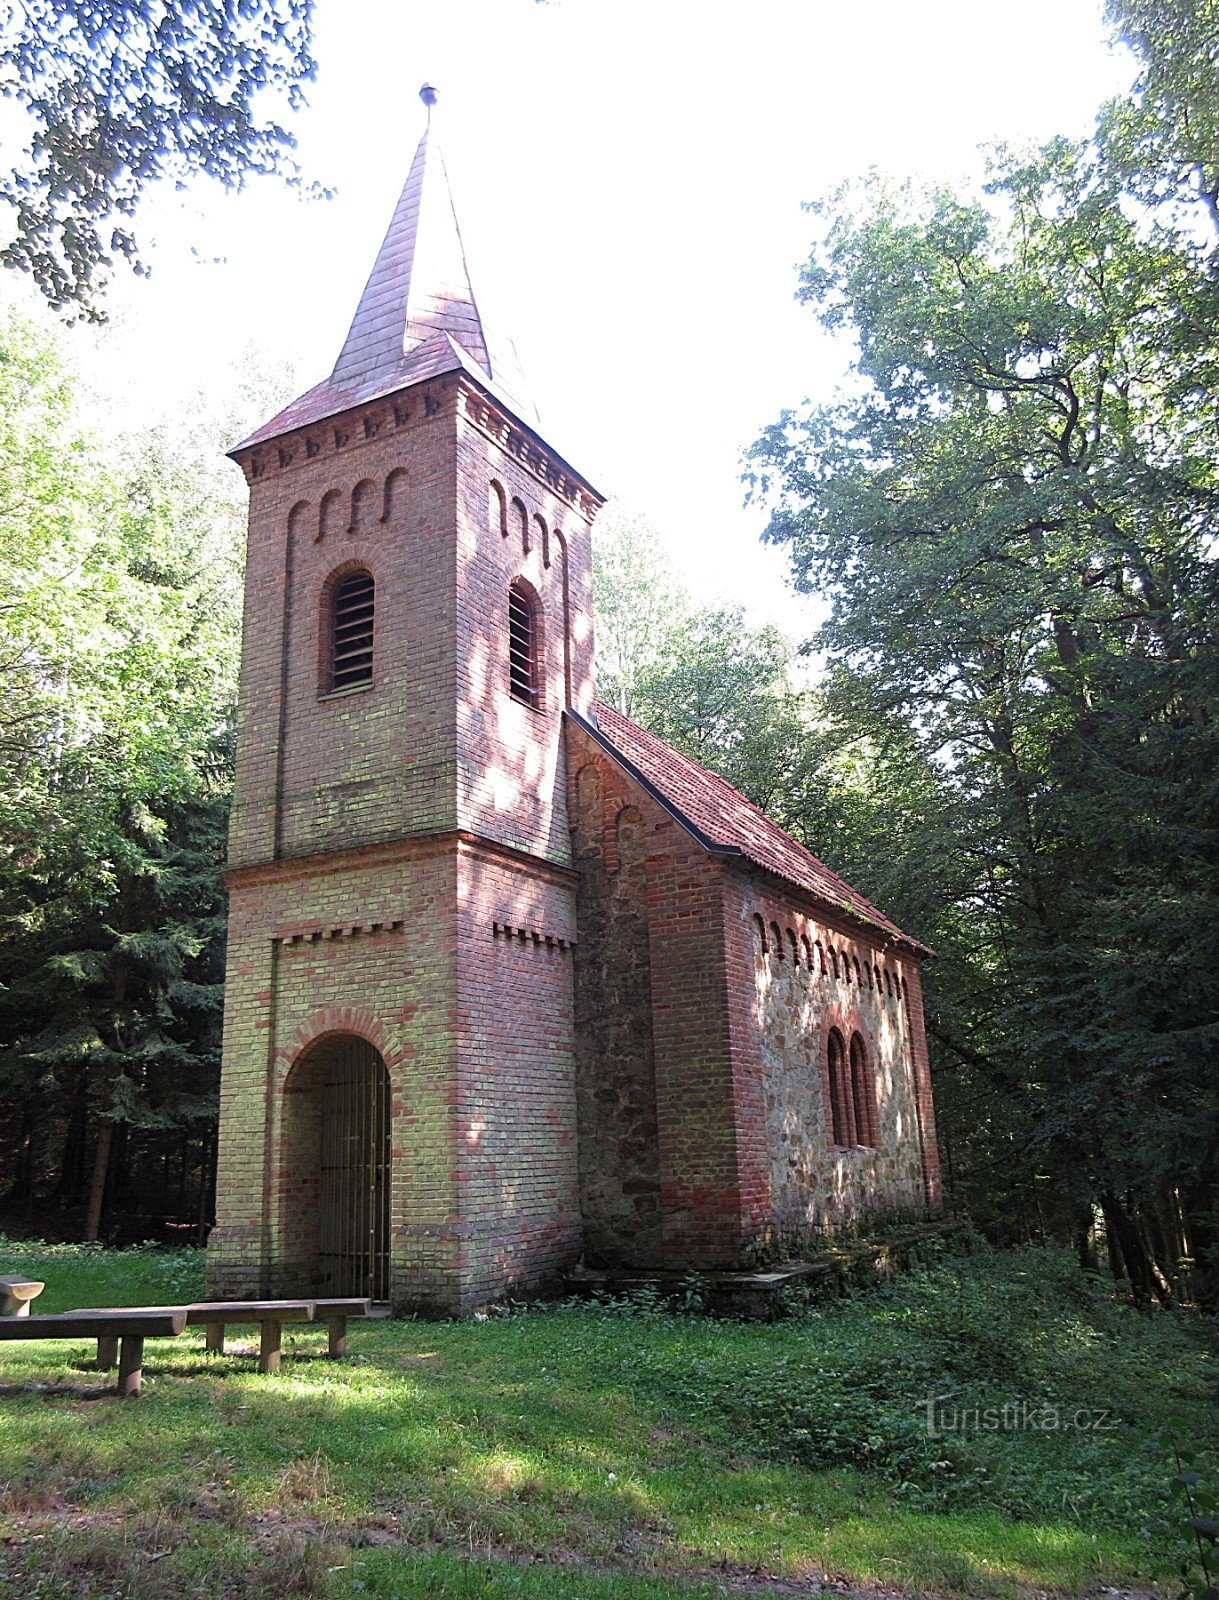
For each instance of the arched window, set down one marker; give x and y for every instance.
(522, 646)
(863, 1093)
(840, 1096)
(351, 628)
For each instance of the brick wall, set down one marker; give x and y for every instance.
(516, 1112)
(364, 943)
(361, 899)
(679, 1008)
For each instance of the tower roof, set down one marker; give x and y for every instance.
(418, 316)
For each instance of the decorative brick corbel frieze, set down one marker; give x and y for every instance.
(552, 941)
(549, 470)
(333, 436)
(316, 933)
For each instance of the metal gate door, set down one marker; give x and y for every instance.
(354, 1232)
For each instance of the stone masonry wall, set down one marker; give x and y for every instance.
(798, 974)
(659, 1026)
(616, 1069)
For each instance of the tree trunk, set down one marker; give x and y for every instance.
(97, 1190)
(1085, 1241)
(1113, 1245)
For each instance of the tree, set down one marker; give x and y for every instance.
(641, 606)
(121, 94)
(1015, 521)
(1167, 133)
(115, 770)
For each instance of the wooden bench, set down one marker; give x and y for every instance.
(214, 1315)
(336, 1313)
(130, 1326)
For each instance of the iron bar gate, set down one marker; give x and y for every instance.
(354, 1224)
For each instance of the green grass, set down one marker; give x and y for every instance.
(605, 1451)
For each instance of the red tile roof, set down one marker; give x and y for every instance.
(721, 818)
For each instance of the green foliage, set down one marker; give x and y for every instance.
(1006, 1380)
(622, 1440)
(115, 766)
(120, 95)
(1168, 132)
(703, 677)
(91, 1275)
(1012, 515)
(1200, 1575)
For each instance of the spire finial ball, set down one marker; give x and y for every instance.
(428, 95)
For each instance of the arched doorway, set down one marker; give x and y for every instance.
(336, 1173)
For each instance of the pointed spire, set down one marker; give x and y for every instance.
(420, 283)
(417, 316)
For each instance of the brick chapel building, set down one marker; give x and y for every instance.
(511, 983)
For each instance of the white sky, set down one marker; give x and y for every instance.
(629, 177)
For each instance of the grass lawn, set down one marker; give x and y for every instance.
(610, 1451)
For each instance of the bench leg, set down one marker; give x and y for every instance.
(107, 1353)
(268, 1353)
(338, 1336)
(215, 1338)
(131, 1364)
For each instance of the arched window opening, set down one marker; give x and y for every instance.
(759, 927)
(351, 631)
(840, 1096)
(793, 948)
(522, 646)
(776, 941)
(393, 502)
(863, 1093)
(330, 513)
(497, 506)
(521, 518)
(363, 513)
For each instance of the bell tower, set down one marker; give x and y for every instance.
(397, 1100)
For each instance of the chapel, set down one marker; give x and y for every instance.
(512, 984)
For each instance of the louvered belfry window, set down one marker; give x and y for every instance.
(353, 618)
(522, 647)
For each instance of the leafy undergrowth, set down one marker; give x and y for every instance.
(610, 1450)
